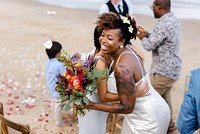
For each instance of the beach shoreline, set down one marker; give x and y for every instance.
(182, 9)
(26, 25)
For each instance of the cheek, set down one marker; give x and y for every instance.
(113, 45)
(100, 39)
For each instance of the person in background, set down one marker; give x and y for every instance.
(53, 69)
(189, 115)
(164, 43)
(121, 7)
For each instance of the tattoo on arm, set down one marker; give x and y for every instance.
(125, 81)
(125, 87)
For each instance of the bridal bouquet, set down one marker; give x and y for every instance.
(79, 80)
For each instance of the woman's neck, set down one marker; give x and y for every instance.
(116, 55)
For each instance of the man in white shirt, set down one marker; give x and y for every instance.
(122, 7)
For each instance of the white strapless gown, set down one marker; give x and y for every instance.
(151, 114)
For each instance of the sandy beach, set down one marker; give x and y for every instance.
(25, 25)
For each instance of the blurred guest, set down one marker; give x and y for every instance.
(121, 7)
(164, 44)
(189, 114)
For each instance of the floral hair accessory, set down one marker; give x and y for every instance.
(125, 19)
(130, 29)
(48, 44)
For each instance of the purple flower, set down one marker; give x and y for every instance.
(86, 63)
(74, 59)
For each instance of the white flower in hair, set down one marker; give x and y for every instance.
(48, 44)
(125, 19)
(130, 29)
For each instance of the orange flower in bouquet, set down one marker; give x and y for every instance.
(79, 80)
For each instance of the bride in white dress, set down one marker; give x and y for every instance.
(146, 117)
(143, 115)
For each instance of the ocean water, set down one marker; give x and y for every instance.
(183, 9)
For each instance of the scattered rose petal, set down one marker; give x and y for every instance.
(9, 94)
(10, 102)
(31, 106)
(10, 109)
(8, 113)
(40, 119)
(32, 96)
(16, 97)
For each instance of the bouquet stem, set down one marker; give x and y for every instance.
(75, 111)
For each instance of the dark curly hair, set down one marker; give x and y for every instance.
(113, 21)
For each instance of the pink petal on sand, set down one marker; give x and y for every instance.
(16, 97)
(32, 96)
(10, 109)
(10, 102)
(65, 119)
(40, 119)
(18, 108)
(48, 105)
(10, 87)
(8, 113)
(10, 94)
(30, 106)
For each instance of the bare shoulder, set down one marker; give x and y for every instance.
(101, 63)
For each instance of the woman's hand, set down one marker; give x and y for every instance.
(142, 89)
(77, 55)
(88, 106)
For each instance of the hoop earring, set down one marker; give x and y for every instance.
(121, 46)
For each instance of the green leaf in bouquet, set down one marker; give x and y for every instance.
(92, 89)
(62, 105)
(64, 98)
(79, 94)
(78, 102)
(67, 107)
(85, 100)
(72, 97)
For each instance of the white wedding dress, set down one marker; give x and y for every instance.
(94, 121)
(151, 114)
